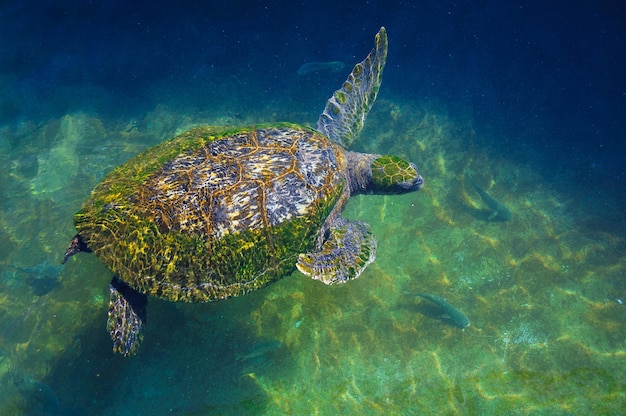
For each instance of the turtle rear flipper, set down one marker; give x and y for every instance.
(76, 246)
(348, 250)
(342, 119)
(127, 317)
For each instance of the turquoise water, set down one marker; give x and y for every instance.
(545, 291)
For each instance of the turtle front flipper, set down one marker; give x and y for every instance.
(127, 317)
(345, 112)
(347, 251)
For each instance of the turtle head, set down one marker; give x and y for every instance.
(392, 175)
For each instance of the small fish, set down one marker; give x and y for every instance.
(498, 211)
(453, 313)
(260, 349)
(309, 67)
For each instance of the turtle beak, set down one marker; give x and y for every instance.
(414, 184)
(410, 186)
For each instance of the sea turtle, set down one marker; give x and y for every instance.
(220, 211)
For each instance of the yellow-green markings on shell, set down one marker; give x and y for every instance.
(144, 221)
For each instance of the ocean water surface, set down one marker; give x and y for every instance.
(529, 98)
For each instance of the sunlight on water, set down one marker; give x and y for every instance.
(544, 292)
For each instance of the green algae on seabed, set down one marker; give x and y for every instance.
(365, 349)
(547, 334)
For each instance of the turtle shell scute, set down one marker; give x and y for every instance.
(228, 213)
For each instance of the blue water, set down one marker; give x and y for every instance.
(530, 96)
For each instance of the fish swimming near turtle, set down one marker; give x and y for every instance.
(498, 211)
(312, 67)
(456, 316)
(260, 349)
